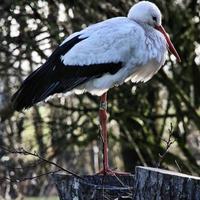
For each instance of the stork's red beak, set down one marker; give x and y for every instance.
(171, 46)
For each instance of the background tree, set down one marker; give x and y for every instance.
(66, 129)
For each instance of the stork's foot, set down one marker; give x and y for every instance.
(108, 171)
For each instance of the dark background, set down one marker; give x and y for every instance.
(66, 130)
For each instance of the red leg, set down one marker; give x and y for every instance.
(104, 134)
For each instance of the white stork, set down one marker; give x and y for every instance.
(100, 57)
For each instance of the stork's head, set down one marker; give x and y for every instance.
(148, 13)
(145, 12)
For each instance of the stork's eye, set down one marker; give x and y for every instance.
(154, 18)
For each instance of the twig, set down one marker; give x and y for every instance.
(178, 166)
(18, 180)
(168, 144)
(25, 152)
(32, 165)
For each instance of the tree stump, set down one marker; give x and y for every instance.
(96, 187)
(147, 184)
(153, 183)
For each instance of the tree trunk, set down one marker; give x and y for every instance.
(147, 184)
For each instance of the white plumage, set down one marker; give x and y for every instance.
(141, 48)
(101, 56)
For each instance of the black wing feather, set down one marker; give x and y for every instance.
(55, 77)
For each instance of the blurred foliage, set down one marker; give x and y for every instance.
(66, 129)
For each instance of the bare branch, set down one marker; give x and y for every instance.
(178, 166)
(168, 144)
(18, 180)
(25, 152)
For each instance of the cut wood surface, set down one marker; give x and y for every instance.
(147, 184)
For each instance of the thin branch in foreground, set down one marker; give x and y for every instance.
(168, 144)
(18, 180)
(25, 152)
(178, 166)
(32, 165)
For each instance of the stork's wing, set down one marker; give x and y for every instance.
(110, 41)
(81, 57)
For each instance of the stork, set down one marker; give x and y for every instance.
(99, 57)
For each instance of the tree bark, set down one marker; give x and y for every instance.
(147, 184)
(96, 187)
(153, 183)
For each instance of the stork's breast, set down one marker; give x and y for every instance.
(143, 73)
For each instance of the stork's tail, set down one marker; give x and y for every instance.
(42, 83)
(35, 88)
